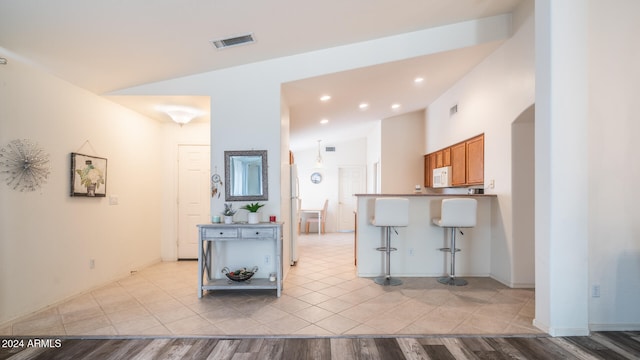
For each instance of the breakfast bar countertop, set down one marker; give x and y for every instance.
(429, 194)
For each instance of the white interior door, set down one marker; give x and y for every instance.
(193, 196)
(351, 180)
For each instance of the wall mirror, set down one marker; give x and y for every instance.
(246, 175)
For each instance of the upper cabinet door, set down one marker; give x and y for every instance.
(439, 159)
(427, 172)
(446, 157)
(458, 164)
(475, 160)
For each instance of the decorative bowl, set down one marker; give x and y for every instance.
(240, 274)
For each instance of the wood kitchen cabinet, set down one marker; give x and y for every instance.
(475, 160)
(459, 164)
(429, 165)
(439, 159)
(446, 157)
(443, 158)
(466, 159)
(427, 178)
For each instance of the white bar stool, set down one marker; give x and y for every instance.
(455, 214)
(390, 212)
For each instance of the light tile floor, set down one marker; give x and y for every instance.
(322, 296)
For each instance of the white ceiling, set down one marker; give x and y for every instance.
(108, 46)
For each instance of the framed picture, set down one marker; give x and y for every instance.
(88, 175)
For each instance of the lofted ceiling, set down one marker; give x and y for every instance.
(109, 46)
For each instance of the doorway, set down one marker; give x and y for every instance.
(351, 180)
(193, 196)
(523, 197)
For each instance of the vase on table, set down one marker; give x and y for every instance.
(253, 218)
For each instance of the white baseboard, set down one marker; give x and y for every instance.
(614, 327)
(511, 284)
(555, 332)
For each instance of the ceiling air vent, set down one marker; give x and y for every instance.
(330, 149)
(233, 41)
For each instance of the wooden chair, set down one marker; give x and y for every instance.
(321, 220)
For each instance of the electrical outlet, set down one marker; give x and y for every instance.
(267, 259)
(492, 184)
(92, 264)
(410, 251)
(595, 291)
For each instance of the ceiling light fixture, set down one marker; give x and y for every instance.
(181, 114)
(325, 98)
(418, 80)
(395, 106)
(363, 106)
(324, 121)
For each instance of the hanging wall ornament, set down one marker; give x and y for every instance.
(24, 165)
(216, 182)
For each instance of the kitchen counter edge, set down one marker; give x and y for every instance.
(438, 195)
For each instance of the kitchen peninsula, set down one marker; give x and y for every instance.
(418, 243)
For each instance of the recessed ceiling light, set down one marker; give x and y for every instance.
(395, 106)
(363, 106)
(325, 98)
(418, 80)
(324, 121)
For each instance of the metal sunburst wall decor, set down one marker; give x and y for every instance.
(24, 165)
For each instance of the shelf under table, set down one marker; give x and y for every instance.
(225, 284)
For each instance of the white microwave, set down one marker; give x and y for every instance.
(442, 177)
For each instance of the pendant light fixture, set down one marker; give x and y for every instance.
(319, 157)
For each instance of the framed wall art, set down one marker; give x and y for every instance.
(88, 175)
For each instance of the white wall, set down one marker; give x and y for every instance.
(374, 154)
(47, 238)
(614, 173)
(285, 188)
(586, 227)
(523, 190)
(489, 99)
(561, 169)
(402, 144)
(348, 153)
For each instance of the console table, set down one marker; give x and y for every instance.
(209, 238)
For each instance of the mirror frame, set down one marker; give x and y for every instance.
(227, 175)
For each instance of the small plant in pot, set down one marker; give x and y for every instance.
(253, 217)
(228, 213)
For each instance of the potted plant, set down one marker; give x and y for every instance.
(228, 213)
(253, 217)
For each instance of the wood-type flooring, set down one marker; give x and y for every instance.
(599, 345)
